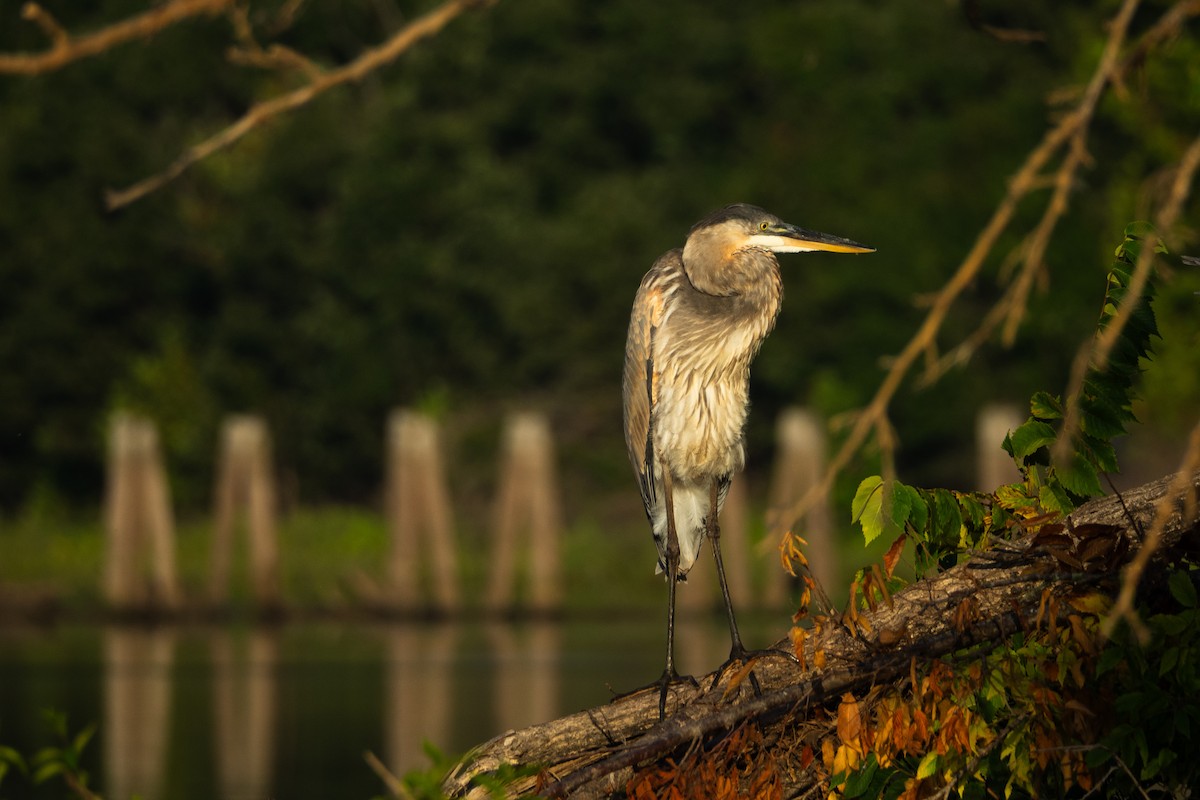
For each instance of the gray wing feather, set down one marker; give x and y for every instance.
(639, 384)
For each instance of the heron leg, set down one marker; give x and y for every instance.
(713, 531)
(671, 556)
(669, 675)
(737, 652)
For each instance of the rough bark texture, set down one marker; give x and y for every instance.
(594, 753)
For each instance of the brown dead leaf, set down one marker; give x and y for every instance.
(892, 556)
(849, 722)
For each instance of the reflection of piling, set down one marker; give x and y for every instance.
(418, 692)
(418, 507)
(245, 480)
(702, 591)
(527, 497)
(138, 519)
(995, 467)
(526, 673)
(137, 710)
(799, 464)
(244, 695)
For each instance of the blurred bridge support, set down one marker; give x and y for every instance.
(995, 467)
(246, 480)
(527, 497)
(418, 508)
(138, 520)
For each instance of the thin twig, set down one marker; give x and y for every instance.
(65, 48)
(393, 784)
(366, 63)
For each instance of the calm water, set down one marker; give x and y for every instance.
(247, 714)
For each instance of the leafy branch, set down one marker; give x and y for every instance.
(1065, 141)
(1060, 467)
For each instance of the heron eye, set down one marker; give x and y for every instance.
(762, 226)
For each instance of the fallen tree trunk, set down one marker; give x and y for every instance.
(982, 601)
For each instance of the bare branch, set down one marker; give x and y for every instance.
(66, 49)
(369, 61)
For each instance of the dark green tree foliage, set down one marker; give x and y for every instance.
(471, 223)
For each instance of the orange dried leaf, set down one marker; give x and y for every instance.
(737, 678)
(849, 723)
(892, 556)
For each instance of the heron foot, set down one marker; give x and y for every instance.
(740, 655)
(663, 684)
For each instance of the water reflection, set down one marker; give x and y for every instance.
(244, 691)
(198, 712)
(137, 709)
(526, 679)
(419, 675)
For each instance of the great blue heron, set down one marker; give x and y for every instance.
(698, 320)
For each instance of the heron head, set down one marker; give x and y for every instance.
(723, 240)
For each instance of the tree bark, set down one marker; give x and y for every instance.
(999, 591)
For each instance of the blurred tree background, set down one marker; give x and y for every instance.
(465, 229)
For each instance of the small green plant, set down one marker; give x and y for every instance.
(426, 784)
(63, 759)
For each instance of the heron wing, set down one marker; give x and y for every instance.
(639, 384)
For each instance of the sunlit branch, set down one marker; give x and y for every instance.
(66, 48)
(369, 61)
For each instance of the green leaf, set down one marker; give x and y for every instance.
(867, 507)
(1170, 624)
(1182, 588)
(908, 507)
(1029, 438)
(1097, 756)
(47, 771)
(1053, 497)
(1079, 477)
(1044, 405)
(83, 737)
(972, 510)
(928, 766)
(860, 780)
(1170, 658)
(9, 755)
(947, 519)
